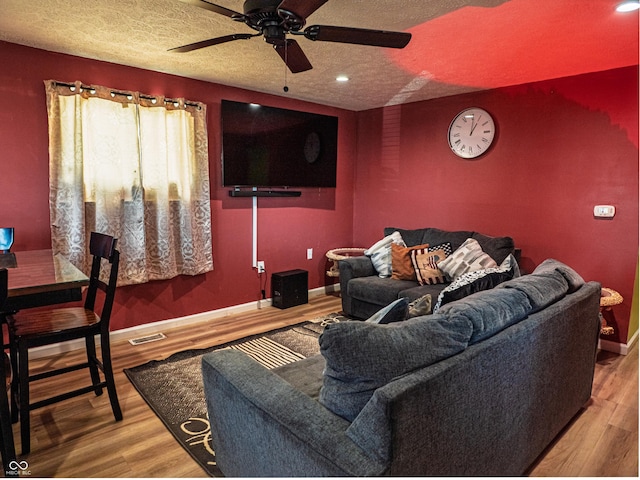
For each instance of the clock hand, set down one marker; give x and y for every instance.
(473, 127)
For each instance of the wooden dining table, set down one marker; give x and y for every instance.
(40, 277)
(36, 278)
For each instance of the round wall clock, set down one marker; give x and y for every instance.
(471, 133)
(312, 147)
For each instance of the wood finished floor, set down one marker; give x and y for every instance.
(79, 437)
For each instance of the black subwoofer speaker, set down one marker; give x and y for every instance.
(289, 288)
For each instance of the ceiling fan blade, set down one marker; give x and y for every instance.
(293, 56)
(359, 36)
(213, 8)
(213, 41)
(302, 8)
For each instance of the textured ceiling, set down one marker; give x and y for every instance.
(457, 45)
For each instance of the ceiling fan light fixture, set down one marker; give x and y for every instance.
(628, 6)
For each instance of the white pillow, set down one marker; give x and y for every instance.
(468, 258)
(380, 253)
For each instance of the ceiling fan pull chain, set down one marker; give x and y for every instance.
(286, 49)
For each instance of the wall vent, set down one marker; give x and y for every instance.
(149, 338)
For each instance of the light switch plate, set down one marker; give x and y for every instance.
(604, 211)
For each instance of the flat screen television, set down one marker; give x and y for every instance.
(274, 147)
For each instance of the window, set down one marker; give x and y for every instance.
(135, 167)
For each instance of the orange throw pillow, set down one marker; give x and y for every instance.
(401, 266)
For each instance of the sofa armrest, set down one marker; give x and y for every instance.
(354, 267)
(350, 268)
(262, 426)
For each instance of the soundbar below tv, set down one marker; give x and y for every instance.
(269, 147)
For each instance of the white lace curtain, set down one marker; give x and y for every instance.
(135, 167)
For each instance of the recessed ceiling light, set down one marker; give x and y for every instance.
(628, 6)
(342, 78)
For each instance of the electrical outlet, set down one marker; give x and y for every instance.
(260, 266)
(309, 253)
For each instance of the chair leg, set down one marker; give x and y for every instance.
(23, 373)
(15, 380)
(6, 439)
(108, 375)
(92, 360)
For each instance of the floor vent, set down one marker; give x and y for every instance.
(147, 339)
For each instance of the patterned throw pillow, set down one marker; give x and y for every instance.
(467, 258)
(420, 306)
(401, 266)
(478, 280)
(425, 263)
(380, 253)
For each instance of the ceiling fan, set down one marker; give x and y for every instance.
(274, 19)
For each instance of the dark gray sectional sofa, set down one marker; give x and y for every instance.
(481, 388)
(363, 292)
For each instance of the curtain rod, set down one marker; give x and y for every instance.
(129, 95)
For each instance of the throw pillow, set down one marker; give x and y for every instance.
(467, 258)
(401, 266)
(420, 306)
(394, 312)
(380, 253)
(425, 263)
(362, 357)
(478, 280)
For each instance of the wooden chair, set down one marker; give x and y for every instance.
(7, 448)
(33, 329)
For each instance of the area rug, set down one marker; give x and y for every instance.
(173, 387)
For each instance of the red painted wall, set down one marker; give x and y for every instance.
(563, 146)
(320, 219)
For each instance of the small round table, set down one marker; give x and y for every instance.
(608, 298)
(340, 254)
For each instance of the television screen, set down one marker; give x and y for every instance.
(275, 147)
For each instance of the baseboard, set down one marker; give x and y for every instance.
(619, 348)
(155, 327)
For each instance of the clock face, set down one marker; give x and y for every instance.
(312, 147)
(471, 133)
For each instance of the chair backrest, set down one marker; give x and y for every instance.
(4, 286)
(102, 247)
(6, 239)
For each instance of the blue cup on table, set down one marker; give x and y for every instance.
(6, 239)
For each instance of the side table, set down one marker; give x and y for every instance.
(608, 298)
(340, 254)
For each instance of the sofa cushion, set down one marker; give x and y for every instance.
(362, 357)
(542, 288)
(380, 253)
(467, 258)
(478, 280)
(432, 236)
(425, 263)
(489, 311)
(379, 291)
(574, 280)
(401, 266)
(305, 374)
(396, 311)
